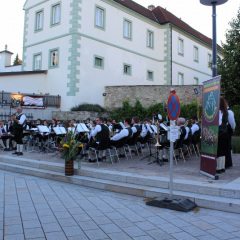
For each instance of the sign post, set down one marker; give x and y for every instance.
(185, 205)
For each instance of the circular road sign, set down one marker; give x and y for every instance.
(173, 107)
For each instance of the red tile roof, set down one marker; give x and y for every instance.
(162, 16)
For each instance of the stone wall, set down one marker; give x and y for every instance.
(83, 115)
(148, 95)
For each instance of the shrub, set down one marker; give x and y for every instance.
(88, 107)
(236, 144)
(236, 110)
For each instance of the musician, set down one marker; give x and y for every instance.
(119, 139)
(101, 134)
(231, 128)
(156, 117)
(18, 121)
(90, 137)
(136, 131)
(147, 131)
(110, 124)
(27, 125)
(59, 124)
(195, 129)
(53, 125)
(3, 137)
(88, 124)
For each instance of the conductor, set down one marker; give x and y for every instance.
(18, 121)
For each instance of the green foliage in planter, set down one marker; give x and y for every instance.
(88, 107)
(236, 144)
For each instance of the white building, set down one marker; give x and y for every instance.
(86, 45)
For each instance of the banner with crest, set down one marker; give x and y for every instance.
(210, 125)
(27, 101)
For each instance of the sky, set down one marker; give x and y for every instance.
(192, 12)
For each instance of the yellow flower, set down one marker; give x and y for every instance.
(66, 145)
(81, 145)
(61, 142)
(71, 141)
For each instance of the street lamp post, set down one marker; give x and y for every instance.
(214, 3)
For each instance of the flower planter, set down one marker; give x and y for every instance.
(69, 168)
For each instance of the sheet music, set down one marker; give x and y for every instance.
(163, 126)
(80, 128)
(59, 130)
(154, 127)
(84, 127)
(43, 129)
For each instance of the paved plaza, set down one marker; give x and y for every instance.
(36, 208)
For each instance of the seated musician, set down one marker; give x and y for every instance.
(101, 134)
(147, 131)
(88, 124)
(90, 137)
(4, 140)
(156, 118)
(121, 138)
(59, 124)
(136, 131)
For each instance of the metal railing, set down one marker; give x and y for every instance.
(49, 100)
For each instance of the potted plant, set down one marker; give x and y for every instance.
(70, 150)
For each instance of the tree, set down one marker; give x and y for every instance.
(17, 61)
(229, 66)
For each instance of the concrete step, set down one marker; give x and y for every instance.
(211, 188)
(202, 200)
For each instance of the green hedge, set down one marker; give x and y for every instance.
(187, 111)
(236, 144)
(88, 107)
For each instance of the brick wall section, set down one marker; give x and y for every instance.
(83, 115)
(148, 95)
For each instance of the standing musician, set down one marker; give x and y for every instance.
(156, 117)
(231, 128)
(18, 121)
(101, 134)
(121, 138)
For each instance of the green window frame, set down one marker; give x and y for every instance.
(98, 62)
(39, 16)
(180, 47)
(37, 63)
(209, 60)
(195, 81)
(53, 58)
(127, 29)
(195, 54)
(150, 75)
(180, 79)
(100, 17)
(55, 14)
(150, 39)
(127, 69)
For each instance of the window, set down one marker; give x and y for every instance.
(180, 46)
(127, 29)
(37, 62)
(209, 60)
(180, 78)
(127, 69)
(99, 62)
(195, 54)
(55, 14)
(99, 17)
(195, 81)
(150, 39)
(149, 75)
(54, 58)
(39, 21)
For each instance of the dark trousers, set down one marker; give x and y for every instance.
(18, 135)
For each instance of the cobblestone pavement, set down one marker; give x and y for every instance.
(36, 208)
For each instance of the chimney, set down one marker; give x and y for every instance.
(151, 7)
(5, 46)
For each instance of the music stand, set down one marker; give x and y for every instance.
(158, 145)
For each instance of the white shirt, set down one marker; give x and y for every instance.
(231, 119)
(122, 134)
(187, 132)
(194, 128)
(22, 119)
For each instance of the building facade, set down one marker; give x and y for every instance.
(86, 45)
